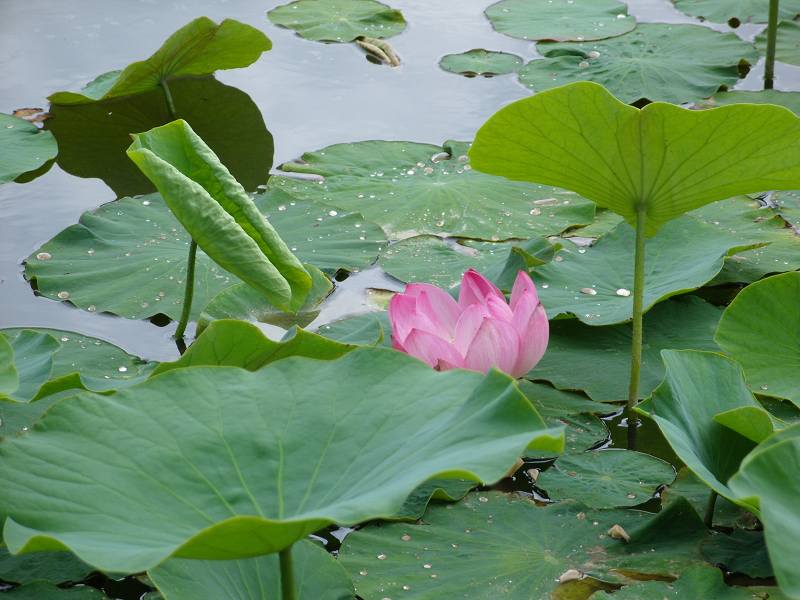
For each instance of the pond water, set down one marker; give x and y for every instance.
(310, 95)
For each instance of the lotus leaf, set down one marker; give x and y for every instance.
(735, 12)
(481, 62)
(23, 147)
(338, 20)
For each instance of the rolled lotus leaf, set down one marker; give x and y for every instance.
(217, 212)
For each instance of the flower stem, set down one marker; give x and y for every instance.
(712, 503)
(188, 293)
(168, 96)
(288, 588)
(772, 42)
(636, 343)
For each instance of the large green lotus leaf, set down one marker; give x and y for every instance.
(735, 12)
(198, 48)
(581, 432)
(560, 20)
(52, 567)
(788, 43)
(266, 458)
(368, 329)
(741, 552)
(414, 189)
(319, 576)
(49, 361)
(23, 147)
(595, 284)
(217, 212)
(747, 221)
(339, 20)
(768, 478)
(128, 257)
(690, 488)
(597, 360)
(442, 262)
(761, 330)
(670, 159)
(551, 402)
(481, 62)
(92, 138)
(695, 582)
(790, 100)
(231, 343)
(697, 387)
(606, 478)
(656, 62)
(47, 591)
(492, 545)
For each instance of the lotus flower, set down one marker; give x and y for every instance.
(478, 332)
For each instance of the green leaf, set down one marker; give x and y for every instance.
(740, 552)
(597, 359)
(415, 189)
(689, 487)
(481, 62)
(582, 432)
(697, 387)
(266, 458)
(438, 488)
(656, 62)
(790, 100)
(551, 402)
(493, 545)
(768, 478)
(92, 138)
(735, 12)
(46, 591)
(217, 212)
(319, 576)
(239, 344)
(695, 582)
(369, 329)
(788, 43)
(595, 284)
(759, 330)
(606, 478)
(787, 204)
(198, 48)
(560, 20)
(23, 147)
(338, 20)
(582, 138)
(51, 567)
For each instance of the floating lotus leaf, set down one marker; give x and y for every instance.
(606, 478)
(338, 20)
(655, 61)
(47, 591)
(51, 567)
(787, 204)
(760, 330)
(369, 329)
(435, 489)
(695, 582)
(735, 12)
(689, 487)
(633, 157)
(413, 189)
(198, 48)
(741, 552)
(129, 257)
(582, 432)
(788, 44)
(597, 360)
(595, 284)
(551, 402)
(560, 20)
(40, 362)
(790, 100)
(319, 576)
(252, 472)
(23, 147)
(481, 62)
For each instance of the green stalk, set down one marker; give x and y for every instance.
(288, 588)
(772, 42)
(636, 344)
(709, 516)
(188, 293)
(168, 96)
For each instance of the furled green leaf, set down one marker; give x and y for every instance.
(339, 20)
(23, 147)
(319, 576)
(198, 48)
(606, 478)
(740, 552)
(266, 458)
(760, 330)
(595, 284)
(217, 212)
(669, 159)
(735, 12)
(51, 567)
(560, 20)
(129, 257)
(414, 189)
(657, 62)
(695, 582)
(481, 62)
(697, 387)
(790, 100)
(597, 360)
(788, 43)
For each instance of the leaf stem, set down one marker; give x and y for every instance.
(288, 588)
(708, 519)
(772, 42)
(170, 102)
(636, 342)
(188, 293)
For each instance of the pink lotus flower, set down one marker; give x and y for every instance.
(478, 332)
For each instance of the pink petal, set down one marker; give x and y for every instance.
(495, 345)
(433, 350)
(533, 335)
(439, 306)
(405, 316)
(522, 284)
(468, 325)
(498, 309)
(475, 288)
